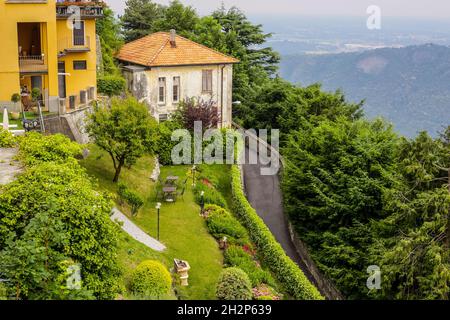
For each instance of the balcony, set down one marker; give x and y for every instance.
(74, 44)
(32, 64)
(88, 9)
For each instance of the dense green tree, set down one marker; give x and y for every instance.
(182, 19)
(108, 30)
(50, 213)
(412, 238)
(139, 18)
(250, 36)
(333, 186)
(124, 130)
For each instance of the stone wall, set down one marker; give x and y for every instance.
(72, 125)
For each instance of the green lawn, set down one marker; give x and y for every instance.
(182, 229)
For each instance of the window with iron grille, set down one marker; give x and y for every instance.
(79, 65)
(163, 117)
(162, 91)
(78, 33)
(207, 81)
(176, 89)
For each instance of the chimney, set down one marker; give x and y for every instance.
(173, 38)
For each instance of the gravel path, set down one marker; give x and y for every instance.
(8, 167)
(135, 232)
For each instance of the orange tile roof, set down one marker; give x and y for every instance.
(155, 50)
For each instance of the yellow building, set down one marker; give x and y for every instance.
(49, 45)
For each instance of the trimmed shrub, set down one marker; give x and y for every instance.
(111, 85)
(151, 279)
(234, 284)
(36, 148)
(211, 195)
(7, 139)
(284, 269)
(235, 256)
(221, 223)
(131, 197)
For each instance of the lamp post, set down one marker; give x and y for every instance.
(158, 207)
(202, 202)
(193, 175)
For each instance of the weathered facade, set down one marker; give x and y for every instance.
(164, 69)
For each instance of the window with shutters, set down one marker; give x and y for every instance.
(207, 81)
(162, 91)
(176, 89)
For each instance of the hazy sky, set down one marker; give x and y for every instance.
(400, 8)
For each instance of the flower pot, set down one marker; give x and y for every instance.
(15, 115)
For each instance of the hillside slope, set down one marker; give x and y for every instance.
(410, 86)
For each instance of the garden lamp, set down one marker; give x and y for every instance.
(158, 207)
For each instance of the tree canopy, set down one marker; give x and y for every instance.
(125, 130)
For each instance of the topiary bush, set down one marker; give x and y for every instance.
(221, 223)
(210, 196)
(235, 256)
(111, 85)
(284, 269)
(151, 279)
(7, 139)
(234, 284)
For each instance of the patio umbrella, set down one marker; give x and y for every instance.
(5, 119)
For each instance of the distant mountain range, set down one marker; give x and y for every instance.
(409, 86)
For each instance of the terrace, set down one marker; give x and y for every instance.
(87, 9)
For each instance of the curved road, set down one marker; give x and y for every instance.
(264, 194)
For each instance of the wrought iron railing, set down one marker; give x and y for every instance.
(87, 9)
(32, 63)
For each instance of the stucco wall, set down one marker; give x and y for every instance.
(10, 15)
(78, 79)
(145, 87)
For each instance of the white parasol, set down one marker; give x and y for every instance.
(5, 119)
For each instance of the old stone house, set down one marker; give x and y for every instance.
(164, 68)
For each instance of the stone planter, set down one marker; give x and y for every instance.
(15, 115)
(182, 268)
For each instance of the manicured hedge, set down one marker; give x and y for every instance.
(284, 269)
(111, 85)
